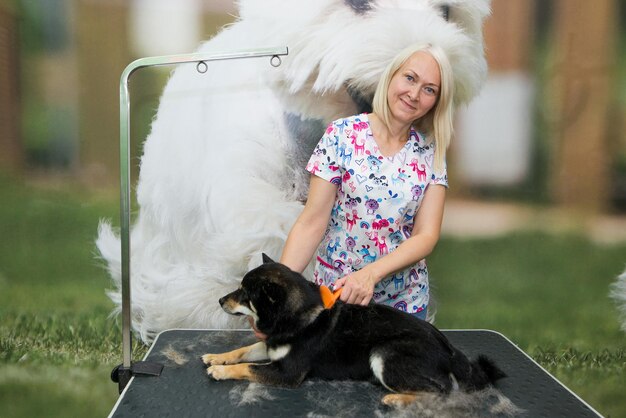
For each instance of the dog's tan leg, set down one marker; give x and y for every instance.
(239, 371)
(399, 400)
(254, 352)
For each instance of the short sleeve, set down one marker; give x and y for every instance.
(324, 162)
(440, 177)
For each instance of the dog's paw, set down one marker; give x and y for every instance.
(211, 359)
(220, 372)
(240, 371)
(227, 371)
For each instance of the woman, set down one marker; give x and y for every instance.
(377, 190)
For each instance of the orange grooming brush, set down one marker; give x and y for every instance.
(329, 297)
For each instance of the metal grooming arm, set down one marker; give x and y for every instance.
(122, 373)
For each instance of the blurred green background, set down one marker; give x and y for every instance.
(531, 256)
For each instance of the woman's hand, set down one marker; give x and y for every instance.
(358, 287)
(257, 333)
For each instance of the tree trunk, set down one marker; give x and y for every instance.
(102, 54)
(11, 149)
(582, 83)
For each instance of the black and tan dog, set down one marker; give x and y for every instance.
(375, 342)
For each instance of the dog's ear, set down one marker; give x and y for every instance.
(273, 292)
(267, 259)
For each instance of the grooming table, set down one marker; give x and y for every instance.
(184, 390)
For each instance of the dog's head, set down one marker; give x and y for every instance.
(338, 49)
(279, 300)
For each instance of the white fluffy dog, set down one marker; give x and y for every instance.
(222, 176)
(618, 292)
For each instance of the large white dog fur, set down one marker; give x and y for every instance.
(618, 293)
(221, 177)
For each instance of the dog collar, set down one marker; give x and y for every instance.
(329, 297)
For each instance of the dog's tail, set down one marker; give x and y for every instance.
(489, 368)
(484, 372)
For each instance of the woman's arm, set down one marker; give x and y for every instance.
(359, 286)
(308, 230)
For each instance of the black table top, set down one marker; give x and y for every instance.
(184, 390)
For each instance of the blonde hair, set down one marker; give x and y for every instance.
(437, 124)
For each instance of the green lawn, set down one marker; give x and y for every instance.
(57, 342)
(547, 293)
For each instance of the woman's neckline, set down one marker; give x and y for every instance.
(378, 149)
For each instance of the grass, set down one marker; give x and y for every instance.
(57, 342)
(547, 293)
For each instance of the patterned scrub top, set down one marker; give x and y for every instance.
(374, 210)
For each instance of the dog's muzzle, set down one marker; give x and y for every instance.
(230, 306)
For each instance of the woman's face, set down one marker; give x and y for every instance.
(414, 88)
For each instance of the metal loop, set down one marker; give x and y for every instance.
(201, 67)
(275, 61)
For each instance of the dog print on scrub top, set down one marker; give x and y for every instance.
(377, 199)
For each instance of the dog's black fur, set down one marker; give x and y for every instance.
(374, 342)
